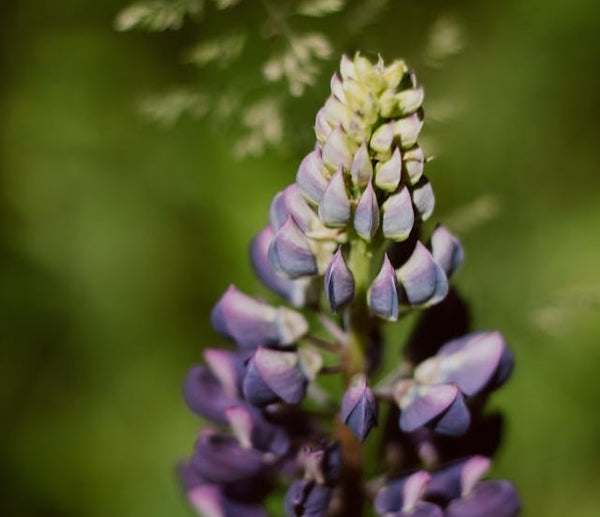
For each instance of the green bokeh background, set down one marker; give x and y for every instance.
(117, 237)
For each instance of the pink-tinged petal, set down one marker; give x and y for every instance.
(424, 403)
(334, 207)
(407, 129)
(339, 282)
(413, 490)
(388, 173)
(228, 367)
(398, 216)
(310, 177)
(496, 498)
(414, 161)
(456, 420)
(419, 276)
(424, 199)
(410, 100)
(382, 138)
(336, 87)
(290, 253)
(221, 459)
(446, 250)
(382, 296)
(299, 292)
(362, 167)
(471, 361)
(281, 373)
(337, 151)
(366, 217)
(359, 407)
(457, 478)
(402, 497)
(290, 202)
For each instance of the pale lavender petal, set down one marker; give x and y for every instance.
(419, 275)
(383, 293)
(366, 217)
(290, 252)
(424, 403)
(288, 202)
(307, 499)
(496, 498)
(471, 361)
(402, 494)
(298, 292)
(334, 207)
(205, 396)
(407, 129)
(339, 282)
(388, 173)
(221, 459)
(310, 178)
(446, 250)
(424, 199)
(414, 161)
(256, 390)
(362, 167)
(337, 151)
(228, 367)
(456, 420)
(359, 407)
(398, 216)
(281, 373)
(382, 138)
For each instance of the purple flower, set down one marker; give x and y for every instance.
(307, 499)
(366, 217)
(359, 407)
(382, 296)
(403, 498)
(250, 323)
(290, 253)
(339, 282)
(310, 177)
(274, 375)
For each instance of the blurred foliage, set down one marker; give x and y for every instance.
(117, 237)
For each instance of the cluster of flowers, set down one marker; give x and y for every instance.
(348, 230)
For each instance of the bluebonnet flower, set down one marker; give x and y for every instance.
(348, 237)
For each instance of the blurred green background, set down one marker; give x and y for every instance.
(116, 238)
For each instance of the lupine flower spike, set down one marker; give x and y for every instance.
(347, 247)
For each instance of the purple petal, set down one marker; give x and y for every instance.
(250, 322)
(307, 499)
(382, 296)
(456, 420)
(221, 459)
(205, 396)
(414, 160)
(423, 509)
(505, 368)
(424, 403)
(359, 407)
(388, 174)
(291, 202)
(256, 391)
(471, 361)
(398, 216)
(280, 371)
(362, 168)
(310, 178)
(407, 129)
(334, 207)
(290, 252)
(446, 250)
(402, 494)
(337, 151)
(424, 199)
(422, 278)
(382, 138)
(339, 282)
(366, 217)
(496, 498)
(298, 292)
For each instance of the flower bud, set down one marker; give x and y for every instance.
(337, 151)
(337, 87)
(407, 129)
(362, 168)
(337, 113)
(339, 282)
(359, 407)
(251, 323)
(290, 252)
(394, 73)
(366, 217)
(410, 100)
(388, 173)
(382, 138)
(274, 375)
(398, 216)
(334, 207)
(414, 160)
(446, 250)
(310, 177)
(382, 296)
(322, 128)
(423, 198)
